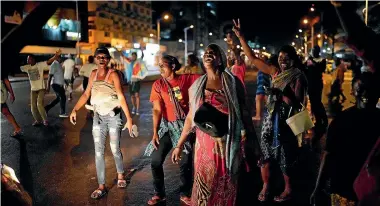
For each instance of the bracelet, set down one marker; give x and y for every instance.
(176, 147)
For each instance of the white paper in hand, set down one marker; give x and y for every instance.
(135, 132)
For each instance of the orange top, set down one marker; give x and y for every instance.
(180, 86)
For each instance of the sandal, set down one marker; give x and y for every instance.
(98, 193)
(282, 198)
(121, 183)
(186, 200)
(156, 200)
(263, 196)
(16, 134)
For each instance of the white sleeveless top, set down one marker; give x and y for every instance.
(103, 95)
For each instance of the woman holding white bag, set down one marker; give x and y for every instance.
(286, 98)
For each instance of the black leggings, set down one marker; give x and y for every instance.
(158, 158)
(61, 98)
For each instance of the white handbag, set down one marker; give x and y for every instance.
(300, 123)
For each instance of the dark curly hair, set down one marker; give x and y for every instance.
(172, 61)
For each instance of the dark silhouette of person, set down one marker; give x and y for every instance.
(316, 66)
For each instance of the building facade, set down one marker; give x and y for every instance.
(119, 24)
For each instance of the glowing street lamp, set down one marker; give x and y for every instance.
(297, 36)
(180, 40)
(305, 21)
(293, 43)
(264, 48)
(312, 9)
(165, 17)
(319, 35)
(185, 31)
(300, 30)
(225, 39)
(210, 33)
(201, 45)
(151, 35)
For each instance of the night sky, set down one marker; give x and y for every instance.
(275, 23)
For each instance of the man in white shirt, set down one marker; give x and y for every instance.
(56, 74)
(86, 70)
(68, 66)
(35, 72)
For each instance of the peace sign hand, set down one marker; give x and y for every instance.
(236, 28)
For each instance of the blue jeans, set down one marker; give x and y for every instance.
(101, 126)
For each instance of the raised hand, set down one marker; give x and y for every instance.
(237, 28)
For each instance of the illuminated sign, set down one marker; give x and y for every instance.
(15, 19)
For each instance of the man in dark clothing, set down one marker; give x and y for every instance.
(316, 66)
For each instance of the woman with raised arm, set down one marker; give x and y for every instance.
(107, 100)
(217, 109)
(286, 97)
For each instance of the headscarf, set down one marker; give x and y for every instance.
(235, 122)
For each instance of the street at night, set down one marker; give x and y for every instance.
(56, 163)
(196, 103)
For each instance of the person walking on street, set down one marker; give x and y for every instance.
(170, 100)
(336, 87)
(35, 72)
(316, 66)
(69, 66)
(86, 71)
(108, 100)
(56, 74)
(6, 88)
(286, 97)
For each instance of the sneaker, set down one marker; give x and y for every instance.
(69, 99)
(63, 115)
(133, 110)
(137, 112)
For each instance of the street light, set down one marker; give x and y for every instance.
(297, 36)
(312, 9)
(210, 33)
(293, 43)
(305, 21)
(201, 44)
(180, 40)
(166, 17)
(238, 46)
(185, 31)
(319, 35)
(151, 35)
(264, 48)
(225, 39)
(300, 30)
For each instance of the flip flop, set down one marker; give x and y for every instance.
(121, 183)
(16, 134)
(156, 200)
(98, 193)
(185, 200)
(280, 198)
(263, 197)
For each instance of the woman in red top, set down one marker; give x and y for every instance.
(170, 100)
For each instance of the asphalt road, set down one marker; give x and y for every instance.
(56, 163)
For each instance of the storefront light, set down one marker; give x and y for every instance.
(136, 45)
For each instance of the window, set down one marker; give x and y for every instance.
(141, 11)
(135, 9)
(147, 12)
(128, 7)
(107, 34)
(89, 33)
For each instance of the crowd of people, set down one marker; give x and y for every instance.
(200, 113)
